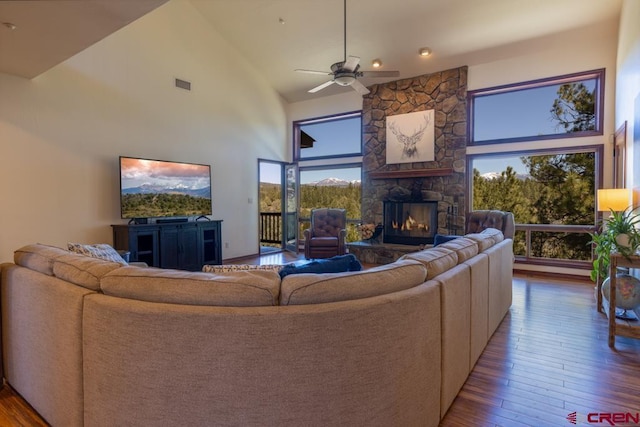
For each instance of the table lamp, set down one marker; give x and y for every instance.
(614, 199)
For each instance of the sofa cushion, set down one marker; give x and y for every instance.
(82, 270)
(232, 289)
(208, 268)
(463, 247)
(38, 257)
(437, 260)
(100, 251)
(297, 289)
(336, 264)
(495, 234)
(484, 241)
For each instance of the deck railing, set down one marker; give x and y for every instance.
(270, 227)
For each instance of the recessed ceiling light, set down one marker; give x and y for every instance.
(282, 21)
(425, 51)
(376, 63)
(9, 25)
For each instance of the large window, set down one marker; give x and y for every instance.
(335, 187)
(559, 107)
(551, 191)
(551, 194)
(329, 156)
(328, 137)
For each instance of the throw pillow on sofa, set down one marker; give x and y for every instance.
(207, 268)
(439, 239)
(336, 264)
(100, 250)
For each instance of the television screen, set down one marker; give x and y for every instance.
(157, 188)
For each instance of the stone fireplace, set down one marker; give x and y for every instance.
(410, 223)
(437, 187)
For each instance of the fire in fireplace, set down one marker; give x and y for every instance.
(410, 223)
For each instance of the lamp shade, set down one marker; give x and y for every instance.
(614, 199)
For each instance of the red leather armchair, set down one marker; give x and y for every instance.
(327, 235)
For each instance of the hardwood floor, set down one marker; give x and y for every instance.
(548, 358)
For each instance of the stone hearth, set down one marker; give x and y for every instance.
(380, 253)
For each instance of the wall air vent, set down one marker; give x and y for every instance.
(183, 84)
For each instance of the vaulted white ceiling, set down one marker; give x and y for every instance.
(48, 32)
(278, 36)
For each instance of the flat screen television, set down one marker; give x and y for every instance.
(163, 189)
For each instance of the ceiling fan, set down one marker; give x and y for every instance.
(346, 72)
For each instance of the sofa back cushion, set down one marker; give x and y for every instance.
(83, 270)
(437, 260)
(38, 257)
(484, 240)
(297, 289)
(494, 234)
(232, 289)
(463, 247)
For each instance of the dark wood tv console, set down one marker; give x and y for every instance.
(182, 245)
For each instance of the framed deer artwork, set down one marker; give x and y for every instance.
(410, 137)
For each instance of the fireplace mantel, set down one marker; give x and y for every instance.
(410, 173)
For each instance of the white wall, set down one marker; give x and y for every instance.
(62, 132)
(628, 88)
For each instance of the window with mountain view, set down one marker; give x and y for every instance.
(332, 187)
(551, 192)
(552, 197)
(329, 156)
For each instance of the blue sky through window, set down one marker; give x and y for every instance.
(334, 137)
(519, 113)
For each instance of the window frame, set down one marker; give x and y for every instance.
(324, 119)
(598, 150)
(598, 75)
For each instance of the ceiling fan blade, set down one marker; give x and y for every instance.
(379, 74)
(322, 73)
(351, 63)
(322, 86)
(359, 87)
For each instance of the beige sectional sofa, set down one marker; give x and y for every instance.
(91, 342)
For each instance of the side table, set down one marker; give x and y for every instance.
(625, 328)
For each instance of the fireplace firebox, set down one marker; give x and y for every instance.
(410, 223)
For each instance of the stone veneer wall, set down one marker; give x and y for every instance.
(446, 93)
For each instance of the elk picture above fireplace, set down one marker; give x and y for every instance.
(410, 223)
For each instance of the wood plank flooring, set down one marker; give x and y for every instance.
(548, 358)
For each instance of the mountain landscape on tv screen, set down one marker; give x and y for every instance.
(157, 189)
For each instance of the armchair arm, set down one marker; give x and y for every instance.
(342, 241)
(307, 237)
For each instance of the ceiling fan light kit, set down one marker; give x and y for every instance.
(346, 72)
(345, 79)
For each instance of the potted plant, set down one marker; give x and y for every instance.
(618, 233)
